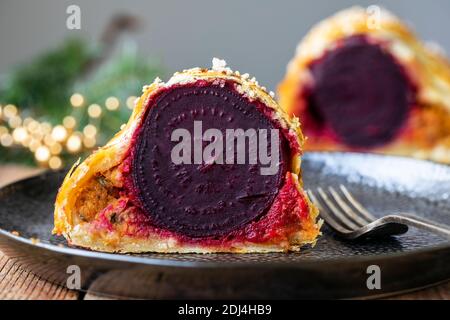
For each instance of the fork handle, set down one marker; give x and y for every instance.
(413, 222)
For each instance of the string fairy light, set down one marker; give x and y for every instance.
(26, 142)
(9, 111)
(32, 126)
(74, 143)
(55, 163)
(77, 100)
(112, 103)
(89, 142)
(45, 128)
(3, 130)
(50, 143)
(59, 133)
(56, 148)
(6, 140)
(94, 111)
(90, 131)
(20, 134)
(69, 122)
(48, 140)
(42, 154)
(34, 145)
(14, 121)
(131, 101)
(27, 121)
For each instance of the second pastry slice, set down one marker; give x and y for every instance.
(362, 81)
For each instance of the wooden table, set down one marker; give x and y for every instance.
(18, 283)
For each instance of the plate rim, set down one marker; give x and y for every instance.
(160, 262)
(168, 262)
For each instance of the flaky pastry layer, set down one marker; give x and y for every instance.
(76, 224)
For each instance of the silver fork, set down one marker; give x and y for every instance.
(351, 221)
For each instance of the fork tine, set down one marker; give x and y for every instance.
(358, 206)
(329, 219)
(337, 212)
(355, 217)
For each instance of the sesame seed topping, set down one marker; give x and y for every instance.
(218, 64)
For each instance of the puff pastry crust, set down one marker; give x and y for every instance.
(426, 132)
(95, 210)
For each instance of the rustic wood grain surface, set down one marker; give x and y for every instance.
(17, 283)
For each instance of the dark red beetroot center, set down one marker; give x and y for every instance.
(360, 93)
(202, 200)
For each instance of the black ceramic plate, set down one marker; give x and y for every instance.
(332, 269)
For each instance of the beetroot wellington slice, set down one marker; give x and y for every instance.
(208, 162)
(362, 81)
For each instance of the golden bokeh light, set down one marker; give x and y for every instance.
(131, 101)
(49, 143)
(9, 111)
(90, 131)
(59, 133)
(56, 148)
(74, 143)
(42, 154)
(34, 145)
(112, 103)
(26, 142)
(6, 140)
(69, 122)
(45, 128)
(55, 163)
(27, 121)
(14, 121)
(20, 134)
(94, 111)
(48, 140)
(89, 142)
(32, 126)
(3, 130)
(77, 100)
(38, 135)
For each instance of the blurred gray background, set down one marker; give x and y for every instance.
(254, 36)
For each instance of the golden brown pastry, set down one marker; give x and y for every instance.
(362, 81)
(132, 196)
